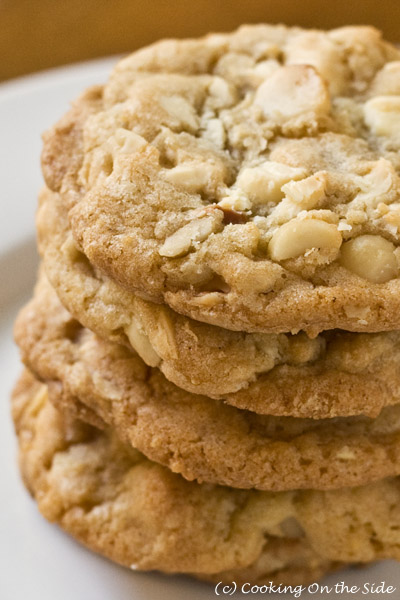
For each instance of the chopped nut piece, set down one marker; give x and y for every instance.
(371, 257)
(235, 67)
(302, 349)
(361, 313)
(346, 454)
(179, 243)
(378, 182)
(391, 216)
(235, 199)
(222, 93)
(141, 343)
(193, 176)
(291, 91)
(307, 193)
(387, 80)
(382, 115)
(164, 338)
(208, 299)
(382, 208)
(215, 132)
(265, 68)
(299, 235)
(343, 226)
(125, 142)
(264, 183)
(317, 49)
(181, 110)
(233, 216)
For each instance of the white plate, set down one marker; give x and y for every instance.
(38, 561)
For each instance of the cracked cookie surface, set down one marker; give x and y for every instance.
(249, 180)
(200, 438)
(334, 374)
(111, 498)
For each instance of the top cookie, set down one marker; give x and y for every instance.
(248, 180)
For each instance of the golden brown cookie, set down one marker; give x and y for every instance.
(135, 512)
(335, 374)
(196, 436)
(248, 180)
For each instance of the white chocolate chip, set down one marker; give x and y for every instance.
(264, 182)
(299, 235)
(371, 257)
(382, 115)
(291, 91)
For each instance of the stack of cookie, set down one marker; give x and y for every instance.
(213, 382)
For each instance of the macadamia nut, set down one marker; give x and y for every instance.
(371, 257)
(299, 235)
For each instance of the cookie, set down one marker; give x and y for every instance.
(335, 374)
(200, 438)
(248, 180)
(137, 513)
